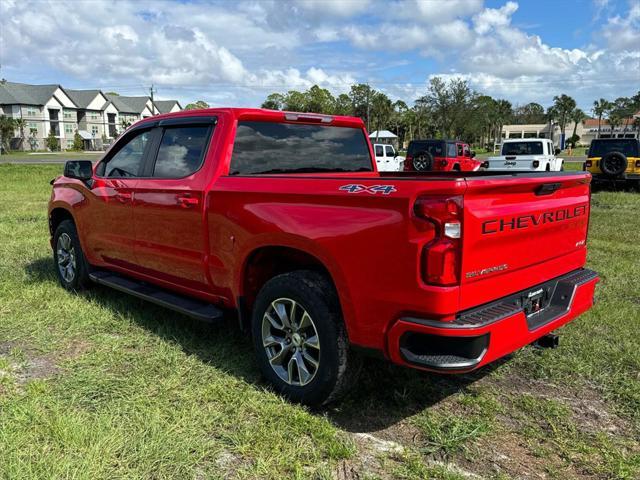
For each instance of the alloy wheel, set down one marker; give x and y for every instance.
(291, 342)
(66, 256)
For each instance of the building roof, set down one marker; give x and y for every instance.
(12, 93)
(82, 98)
(382, 134)
(128, 104)
(165, 106)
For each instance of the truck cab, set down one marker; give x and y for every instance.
(387, 159)
(526, 154)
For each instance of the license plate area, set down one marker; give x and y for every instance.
(535, 301)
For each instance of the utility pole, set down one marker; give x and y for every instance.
(153, 105)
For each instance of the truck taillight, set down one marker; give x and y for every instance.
(441, 256)
(408, 163)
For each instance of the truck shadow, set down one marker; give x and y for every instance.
(383, 394)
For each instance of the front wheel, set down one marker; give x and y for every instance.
(300, 340)
(71, 266)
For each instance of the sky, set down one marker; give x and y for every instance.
(236, 53)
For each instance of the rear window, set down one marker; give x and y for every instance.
(522, 148)
(264, 147)
(600, 148)
(181, 151)
(435, 148)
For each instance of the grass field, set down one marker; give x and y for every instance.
(101, 385)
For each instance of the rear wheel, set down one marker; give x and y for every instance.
(300, 340)
(71, 266)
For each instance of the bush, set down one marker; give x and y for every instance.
(78, 143)
(52, 142)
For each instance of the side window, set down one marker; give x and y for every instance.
(389, 151)
(466, 151)
(379, 151)
(127, 161)
(181, 151)
(459, 150)
(451, 150)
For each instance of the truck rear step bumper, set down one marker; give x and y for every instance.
(483, 334)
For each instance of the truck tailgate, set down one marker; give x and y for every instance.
(519, 234)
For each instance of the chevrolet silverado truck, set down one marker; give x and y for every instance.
(282, 220)
(526, 154)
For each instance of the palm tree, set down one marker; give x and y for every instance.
(576, 117)
(20, 123)
(563, 105)
(7, 128)
(600, 107)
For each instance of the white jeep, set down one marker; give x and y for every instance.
(386, 158)
(526, 154)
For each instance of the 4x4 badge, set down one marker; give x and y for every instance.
(373, 189)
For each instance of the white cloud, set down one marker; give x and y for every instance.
(491, 18)
(340, 8)
(434, 11)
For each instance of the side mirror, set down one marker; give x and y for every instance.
(473, 154)
(79, 169)
(557, 151)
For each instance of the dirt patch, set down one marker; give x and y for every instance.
(25, 365)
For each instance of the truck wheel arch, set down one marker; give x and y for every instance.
(266, 262)
(58, 215)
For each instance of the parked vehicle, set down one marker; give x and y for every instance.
(614, 160)
(526, 154)
(386, 158)
(440, 156)
(282, 218)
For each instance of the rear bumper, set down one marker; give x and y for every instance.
(601, 177)
(483, 334)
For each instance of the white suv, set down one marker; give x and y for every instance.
(386, 158)
(526, 154)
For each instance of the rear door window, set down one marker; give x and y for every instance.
(379, 151)
(600, 148)
(452, 151)
(181, 151)
(522, 148)
(435, 148)
(267, 147)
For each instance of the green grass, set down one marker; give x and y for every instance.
(44, 156)
(101, 385)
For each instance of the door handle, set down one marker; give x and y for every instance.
(124, 197)
(186, 201)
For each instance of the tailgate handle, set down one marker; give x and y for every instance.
(547, 188)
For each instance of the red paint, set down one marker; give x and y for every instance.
(194, 235)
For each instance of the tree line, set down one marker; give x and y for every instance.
(451, 109)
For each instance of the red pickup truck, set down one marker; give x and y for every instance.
(283, 218)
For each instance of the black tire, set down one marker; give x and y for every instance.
(336, 369)
(613, 164)
(423, 162)
(548, 169)
(80, 278)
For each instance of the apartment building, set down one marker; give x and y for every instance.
(97, 117)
